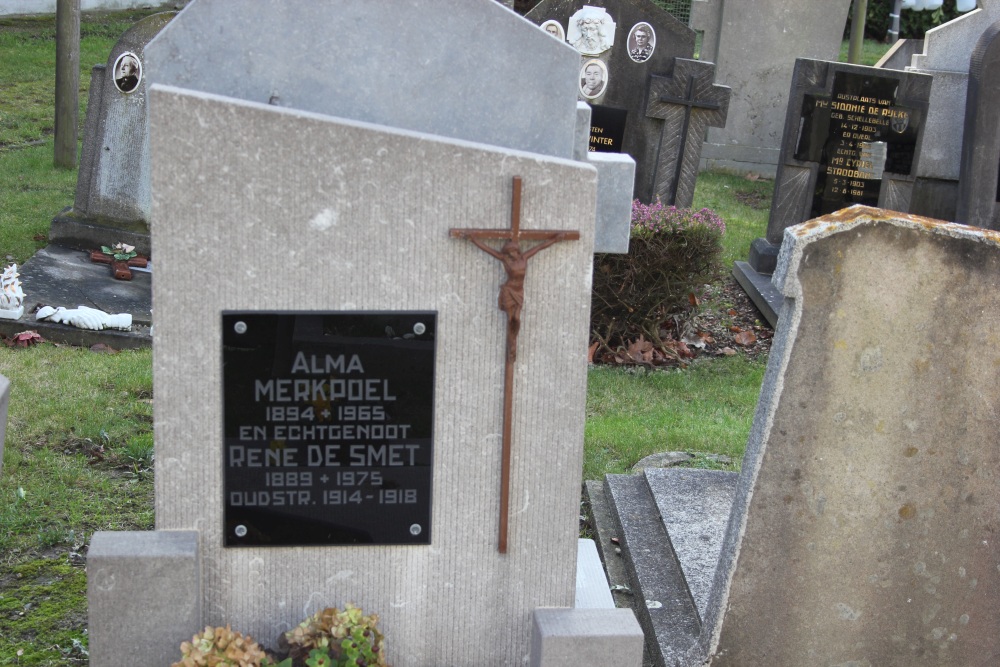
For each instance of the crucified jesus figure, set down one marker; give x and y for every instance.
(511, 299)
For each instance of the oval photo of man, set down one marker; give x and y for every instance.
(127, 72)
(593, 78)
(555, 29)
(641, 42)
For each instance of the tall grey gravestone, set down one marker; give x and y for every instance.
(348, 59)
(112, 191)
(754, 46)
(852, 136)
(652, 102)
(979, 182)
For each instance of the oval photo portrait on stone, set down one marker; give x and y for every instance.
(127, 72)
(641, 42)
(593, 78)
(555, 29)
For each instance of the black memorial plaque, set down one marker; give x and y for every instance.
(856, 134)
(607, 129)
(328, 427)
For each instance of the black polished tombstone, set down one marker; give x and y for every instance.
(852, 136)
(328, 421)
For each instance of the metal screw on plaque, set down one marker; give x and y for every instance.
(419, 328)
(415, 529)
(240, 327)
(241, 530)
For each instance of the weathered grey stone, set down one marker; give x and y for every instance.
(695, 507)
(4, 401)
(757, 45)
(575, 637)
(864, 524)
(340, 215)
(342, 59)
(592, 590)
(627, 86)
(979, 181)
(112, 189)
(143, 596)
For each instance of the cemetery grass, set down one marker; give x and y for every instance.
(871, 51)
(79, 446)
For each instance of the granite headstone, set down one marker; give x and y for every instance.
(852, 136)
(341, 309)
(647, 104)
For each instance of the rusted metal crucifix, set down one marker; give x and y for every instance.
(515, 263)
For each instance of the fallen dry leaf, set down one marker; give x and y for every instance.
(745, 338)
(727, 351)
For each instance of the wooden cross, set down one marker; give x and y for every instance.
(120, 268)
(515, 263)
(689, 103)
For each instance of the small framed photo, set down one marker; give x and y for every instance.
(641, 42)
(127, 72)
(593, 78)
(555, 29)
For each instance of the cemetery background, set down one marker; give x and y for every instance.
(79, 450)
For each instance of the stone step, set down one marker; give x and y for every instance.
(663, 603)
(694, 506)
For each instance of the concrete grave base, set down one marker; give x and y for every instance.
(144, 591)
(143, 596)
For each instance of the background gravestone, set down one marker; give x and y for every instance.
(112, 189)
(323, 230)
(945, 55)
(624, 109)
(979, 182)
(754, 46)
(344, 60)
(852, 135)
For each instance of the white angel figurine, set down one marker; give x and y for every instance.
(11, 296)
(85, 318)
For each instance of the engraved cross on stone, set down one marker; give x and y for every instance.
(689, 103)
(515, 263)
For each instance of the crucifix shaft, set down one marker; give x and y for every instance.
(510, 301)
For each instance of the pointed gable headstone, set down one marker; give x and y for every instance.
(464, 70)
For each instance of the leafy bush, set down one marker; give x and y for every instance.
(672, 252)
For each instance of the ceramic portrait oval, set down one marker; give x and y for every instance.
(127, 72)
